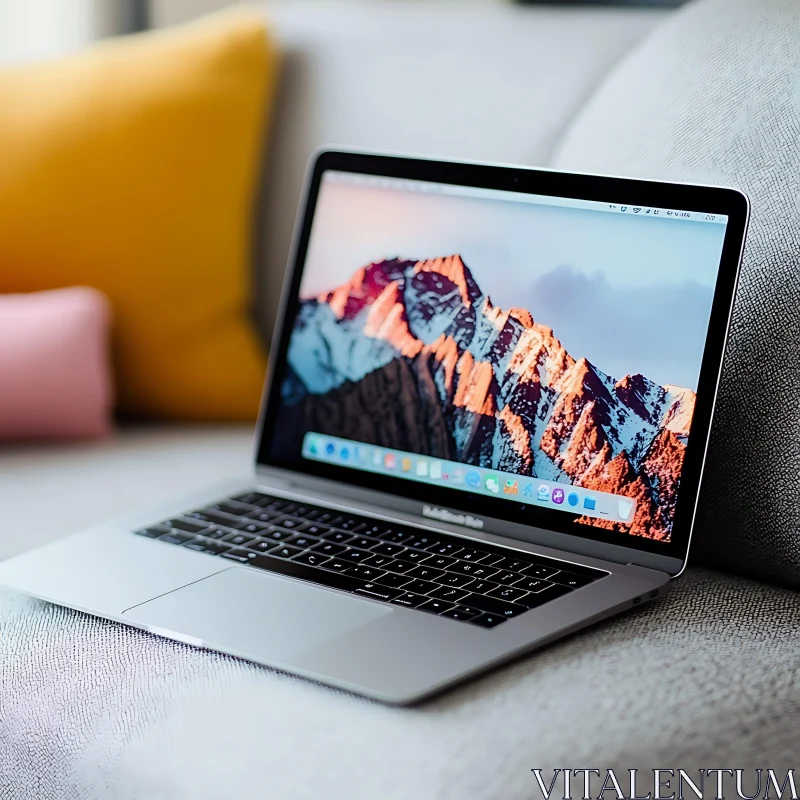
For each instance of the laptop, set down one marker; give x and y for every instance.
(483, 428)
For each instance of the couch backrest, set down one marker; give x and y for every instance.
(482, 81)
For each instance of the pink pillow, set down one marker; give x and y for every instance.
(55, 376)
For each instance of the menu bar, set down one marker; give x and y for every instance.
(454, 475)
(429, 187)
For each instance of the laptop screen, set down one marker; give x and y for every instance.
(538, 350)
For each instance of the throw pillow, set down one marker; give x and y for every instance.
(133, 168)
(54, 362)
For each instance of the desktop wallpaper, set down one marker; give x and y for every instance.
(552, 342)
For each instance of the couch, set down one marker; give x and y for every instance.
(89, 709)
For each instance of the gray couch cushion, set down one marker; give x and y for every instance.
(90, 709)
(714, 95)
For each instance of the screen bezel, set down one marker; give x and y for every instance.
(686, 197)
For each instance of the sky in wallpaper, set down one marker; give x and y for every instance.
(630, 293)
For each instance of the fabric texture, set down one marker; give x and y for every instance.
(133, 168)
(54, 361)
(714, 96)
(90, 709)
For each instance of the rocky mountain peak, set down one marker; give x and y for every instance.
(413, 355)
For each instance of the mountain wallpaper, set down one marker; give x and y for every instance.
(413, 355)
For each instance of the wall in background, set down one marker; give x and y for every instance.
(36, 29)
(173, 12)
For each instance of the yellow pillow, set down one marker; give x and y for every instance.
(133, 167)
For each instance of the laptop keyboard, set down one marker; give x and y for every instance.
(476, 583)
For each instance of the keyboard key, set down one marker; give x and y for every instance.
(208, 546)
(508, 593)
(415, 556)
(214, 519)
(303, 541)
(251, 527)
(472, 555)
(194, 546)
(458, 613)
(262, 545)
(216, 533)
(435, 606)
(183, 525)
(152, 533)
(377, 591)
(493, 606)
(234, 510)
(539, 571)
(277, 534)
(306, 512)
(493, 559)
(445, 549)
(264, 516)
(552, 592)
(570, 579)
(338, 537)
(362, 542)
(507, 578)
(474, 570)
(366, 573)
(175, 537)
(312, 559)
(448, 594)
(331, 518)
(487, 620)
(391, 579)
(378, 561)
(285, 551)
(375, 529)
(352, 525)
(355, 555)
(337, 565)
(399, 566)
(454, 579)
(471, 610)
(425, 573)
(410, 599)
(532, 584)
(243, 556)
(388, 549)
(316, 530)
(238, 539)
(439, 562)
(285, 506)
(329, 548)
(396, 537)
(481, 587)
(513, 564)
(290, 523)
(420, 587)
(422, 542)
(252, 498)
(323, 577)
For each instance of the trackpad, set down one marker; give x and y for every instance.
(245, 612)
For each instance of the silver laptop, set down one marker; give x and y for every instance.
(484, 428)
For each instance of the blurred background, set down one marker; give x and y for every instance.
(34, 29)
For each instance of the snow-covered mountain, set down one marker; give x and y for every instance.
(413, 355)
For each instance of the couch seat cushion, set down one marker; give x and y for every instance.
(91, 709)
